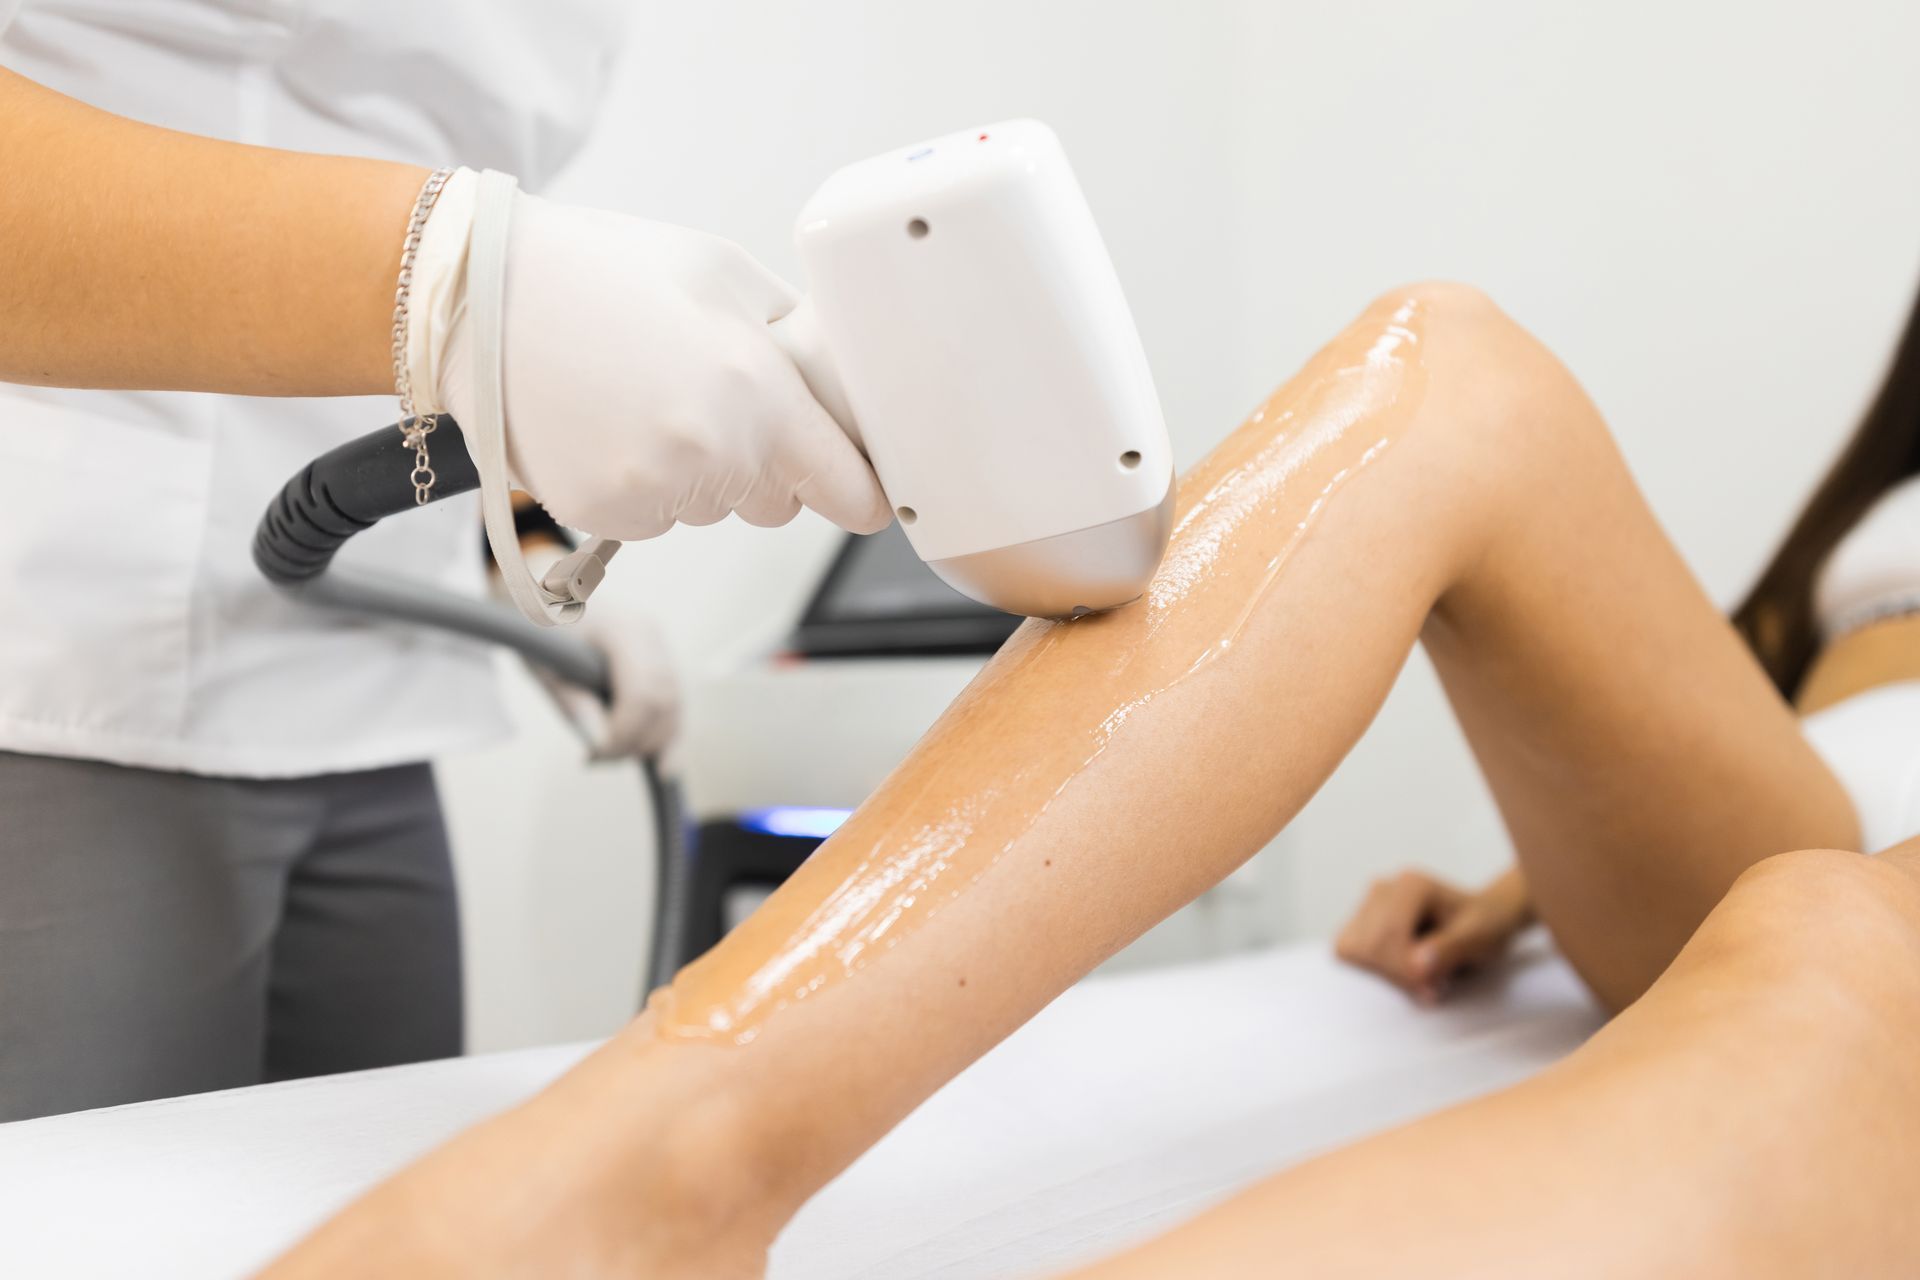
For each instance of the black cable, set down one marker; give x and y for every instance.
(350, 489)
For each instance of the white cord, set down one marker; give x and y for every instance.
(561, 595)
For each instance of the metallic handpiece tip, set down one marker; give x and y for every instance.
(1069, 575)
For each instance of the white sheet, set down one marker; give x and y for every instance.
(1127, 1105)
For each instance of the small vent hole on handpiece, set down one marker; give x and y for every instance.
(907, 514)
(918, 228)
(1130, 460)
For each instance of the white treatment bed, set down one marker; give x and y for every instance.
(1129, 1104)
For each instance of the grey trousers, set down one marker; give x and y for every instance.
(162, 933)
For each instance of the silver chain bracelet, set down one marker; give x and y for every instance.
(414, 429)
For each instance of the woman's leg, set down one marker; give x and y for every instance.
(1433, 471)
(1751, 1116)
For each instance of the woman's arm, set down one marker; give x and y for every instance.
(132, 256)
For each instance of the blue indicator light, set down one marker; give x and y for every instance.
(795, 820)
(921, 154)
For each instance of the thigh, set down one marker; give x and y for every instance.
(366, 966)
(1640, 756)
(1751, 1117)
(136, 911)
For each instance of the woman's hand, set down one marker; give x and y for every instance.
(643, 386)
(1419, 932)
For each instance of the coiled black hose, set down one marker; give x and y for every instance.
(350, 489)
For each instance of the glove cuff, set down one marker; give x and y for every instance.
(562, 596)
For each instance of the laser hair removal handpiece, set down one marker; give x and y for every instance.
(966, 327)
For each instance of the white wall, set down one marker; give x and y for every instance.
(1711, 210)
(1708, 209)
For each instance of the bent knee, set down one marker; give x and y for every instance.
(1482, 363)
(1834, 914)
(1498, 414)
(1450, 301)
(1458, 316)
(1835, 878)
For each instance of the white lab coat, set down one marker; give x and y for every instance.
(133, 625)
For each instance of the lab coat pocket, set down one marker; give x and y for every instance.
(103, 499)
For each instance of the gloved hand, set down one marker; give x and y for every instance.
(641, 384)
(644, 716)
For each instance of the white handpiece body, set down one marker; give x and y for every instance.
(967, 328)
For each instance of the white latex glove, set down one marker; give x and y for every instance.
(644, 717)
(641, 384)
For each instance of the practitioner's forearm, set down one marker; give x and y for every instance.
(132, 256)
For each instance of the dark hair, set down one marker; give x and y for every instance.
(1776, 619)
